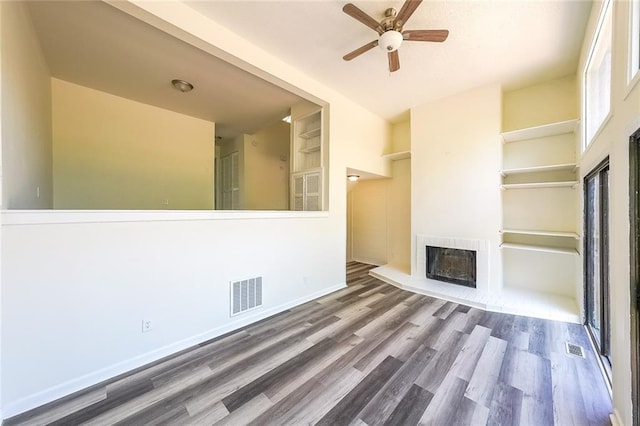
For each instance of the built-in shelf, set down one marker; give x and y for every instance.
(310, 149)
(541, 233)
(544, 249)
(310, 134)
(538, 169)
(534, 185)
(397, 155)
(552, 129)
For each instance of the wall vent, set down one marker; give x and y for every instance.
(576, 350)
(246, 295)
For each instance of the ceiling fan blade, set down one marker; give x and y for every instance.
(425, 35)
(356, 13)
(394, 61)
(360, 50)
(406, 11)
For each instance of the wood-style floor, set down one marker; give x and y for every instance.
(368, 354)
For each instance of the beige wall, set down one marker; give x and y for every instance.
(369, 206)
(455, 185)
(399, 216)
(539, 104)
(613, 141)
(26, 114)
(266, 168)
(379, 211)
(113, 153)
(401, 137)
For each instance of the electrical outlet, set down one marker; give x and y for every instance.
(165, 201)
(37, 192)
(147, 325)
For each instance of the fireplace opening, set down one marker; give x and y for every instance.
(454, 266)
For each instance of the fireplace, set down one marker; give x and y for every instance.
(451, 265)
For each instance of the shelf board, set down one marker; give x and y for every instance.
(541, 233)
(538, 169)
(544, 249)
(397, 155)
(310, 133)
(552, 129)
(310, 149)
(536, 185)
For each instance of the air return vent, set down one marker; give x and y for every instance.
(246, 295)
(576, 350)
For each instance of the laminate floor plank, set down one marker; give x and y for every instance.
(368, 354)
(394, 391)
(350, 406)
(485, 376)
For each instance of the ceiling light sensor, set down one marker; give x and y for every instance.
(353, 178)
(181, 85)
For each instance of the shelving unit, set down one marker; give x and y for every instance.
(534, 185)
(307, 161)
(541, 233)
(539, 248)
(540, 244)
(397, 155)
(539, 169)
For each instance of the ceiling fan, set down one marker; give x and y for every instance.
(390, 31)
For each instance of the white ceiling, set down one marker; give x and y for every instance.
(514, 42)
(96, 45)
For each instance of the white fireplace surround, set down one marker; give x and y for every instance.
(481, 247)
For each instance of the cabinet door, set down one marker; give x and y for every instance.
(306, 191)
(297, 192)
(312, 191)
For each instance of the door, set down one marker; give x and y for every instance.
(230, 197)
(596, 259)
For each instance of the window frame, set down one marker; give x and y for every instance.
(601, 338)
(633, 67)
(605, 17)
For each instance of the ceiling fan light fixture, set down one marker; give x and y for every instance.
(390, 41)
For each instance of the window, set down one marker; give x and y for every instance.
(597, 77)
(596, 259)
(634, 41)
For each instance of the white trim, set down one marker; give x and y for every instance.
(46, 217)
(55, 392)
(615, 418)
(633, 52)
(607, 6)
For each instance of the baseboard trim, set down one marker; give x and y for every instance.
(367, 261)
(615, 418)
(59, 391)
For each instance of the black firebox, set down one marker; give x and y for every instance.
(454, 266)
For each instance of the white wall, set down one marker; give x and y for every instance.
(113, 153)
(26, 131)
(455, 153)
(613, 141)
(74, 294)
